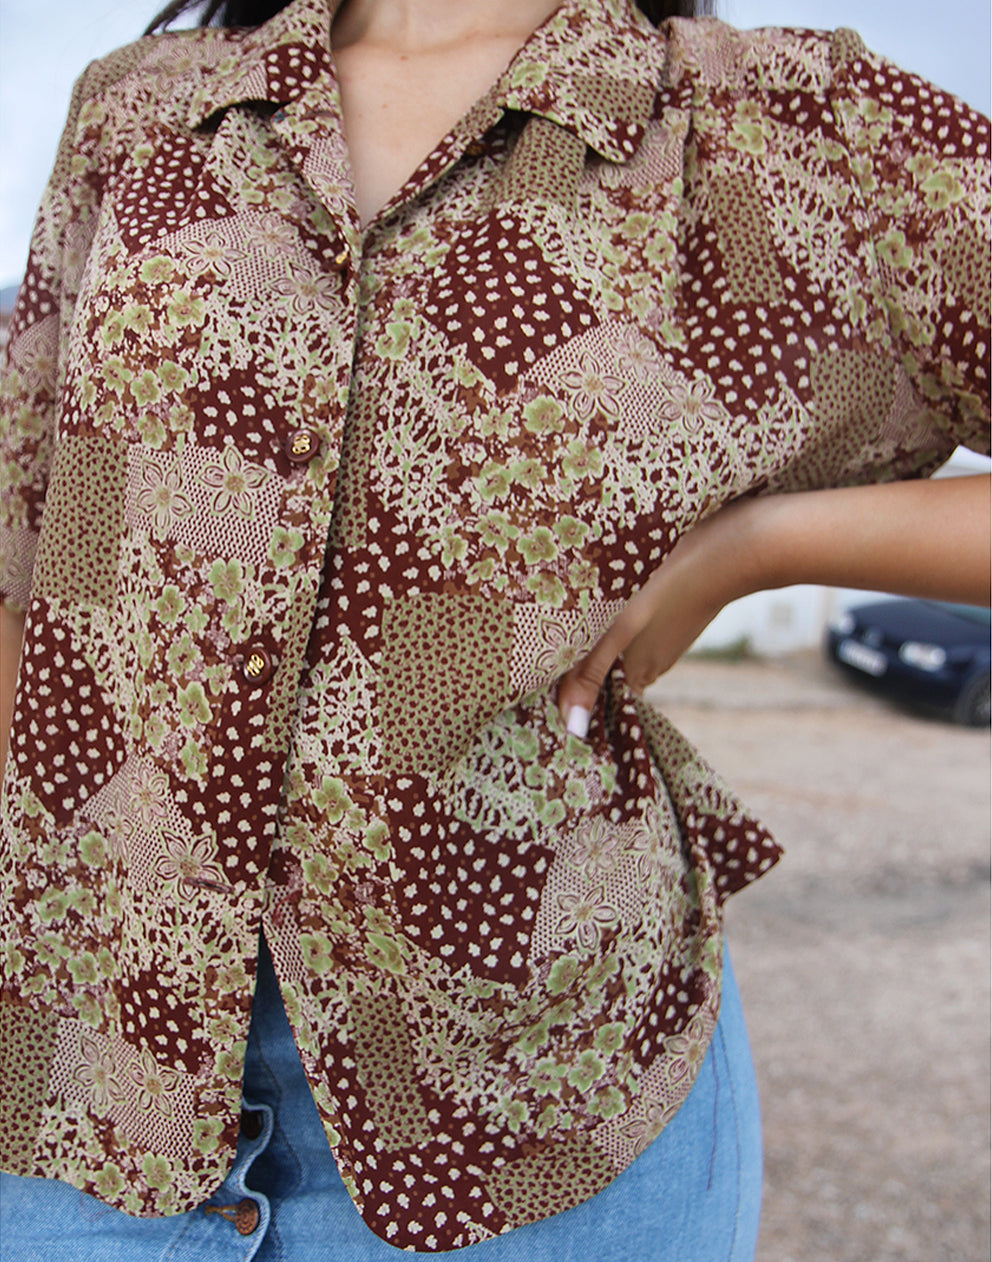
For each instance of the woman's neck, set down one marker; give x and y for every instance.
(419, 26)
(409, 69)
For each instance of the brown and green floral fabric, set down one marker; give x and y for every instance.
(309, 519)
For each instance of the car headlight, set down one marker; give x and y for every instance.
(922, 656)
(843, 623)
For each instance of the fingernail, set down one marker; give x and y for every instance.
(578, 721)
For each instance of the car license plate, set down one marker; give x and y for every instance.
(861, 658)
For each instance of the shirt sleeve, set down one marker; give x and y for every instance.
(919, 161)
(31, 374)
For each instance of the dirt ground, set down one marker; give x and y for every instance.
(863, 958)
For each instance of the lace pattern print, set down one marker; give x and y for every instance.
(309, 519)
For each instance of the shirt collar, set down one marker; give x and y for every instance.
(593, 67)
(277, 61)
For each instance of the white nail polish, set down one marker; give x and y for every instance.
(578, 721)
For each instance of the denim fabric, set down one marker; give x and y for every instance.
(693, 1196)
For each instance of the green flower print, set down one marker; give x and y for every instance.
(547, 1077)
(227, 578)
(385, 953)
(162, 496)
(589, 1069)
(284, 546)
(538, 546)
(544, 415)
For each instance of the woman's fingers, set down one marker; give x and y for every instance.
(655, 627)
(709, 565)
(578, 690)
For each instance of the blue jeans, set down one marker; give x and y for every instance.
(693, 1196)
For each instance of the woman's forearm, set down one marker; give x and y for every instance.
(912, 538)
(928, 538)
(11, 635)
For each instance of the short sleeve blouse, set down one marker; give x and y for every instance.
(309, 520)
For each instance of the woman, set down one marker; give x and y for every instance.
(378, 487)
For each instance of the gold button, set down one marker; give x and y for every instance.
(301, 445)
(341, 259)
(257, 666)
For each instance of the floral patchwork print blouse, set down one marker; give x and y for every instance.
(308, 520)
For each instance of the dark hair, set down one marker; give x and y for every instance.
(255, 12)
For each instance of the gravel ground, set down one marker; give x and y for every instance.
(863, 959)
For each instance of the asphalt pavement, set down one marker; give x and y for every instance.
(863, 958)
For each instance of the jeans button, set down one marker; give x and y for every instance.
(246, 1216)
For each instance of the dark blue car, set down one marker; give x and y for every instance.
(926, 652)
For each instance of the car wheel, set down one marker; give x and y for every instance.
(974, 706)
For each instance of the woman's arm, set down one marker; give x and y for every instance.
(928, 538)
(11, 635)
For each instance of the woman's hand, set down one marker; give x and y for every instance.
(926, 539)
(709, 566)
